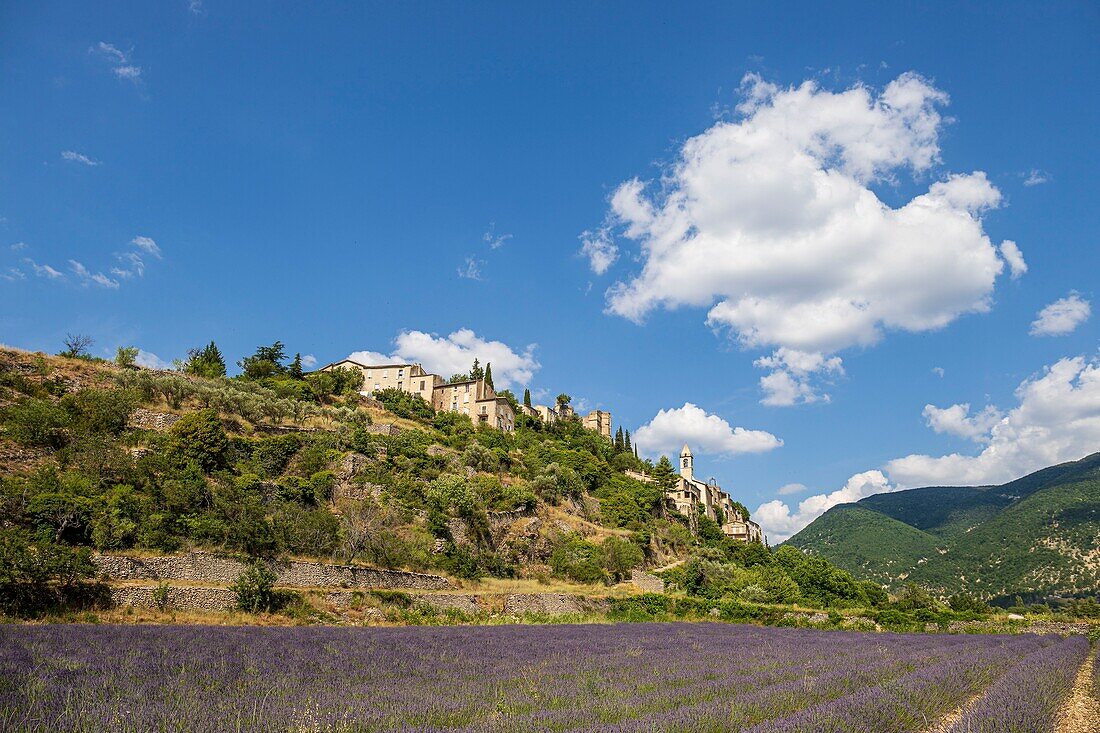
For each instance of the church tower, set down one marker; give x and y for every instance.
(687, 463)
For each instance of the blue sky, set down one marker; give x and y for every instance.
(816, 199)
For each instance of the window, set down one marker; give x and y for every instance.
(421, 385)
(376, 386)
(400, 373)
(399, 385)
(385, 374)
(685, 463)
(467, 388)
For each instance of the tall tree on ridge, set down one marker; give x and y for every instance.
(476, 372)
(626, 440)
(526, 397)
(489, 375)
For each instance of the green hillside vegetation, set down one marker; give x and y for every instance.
(1035, 537)
(866, 543)
(276, 462)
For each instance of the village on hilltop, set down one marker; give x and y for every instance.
(476, 397)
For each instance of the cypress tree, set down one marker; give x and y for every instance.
(489, 375)
(626, 440)
(296, 367)
(527, 397)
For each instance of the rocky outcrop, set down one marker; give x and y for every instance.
(347, 486)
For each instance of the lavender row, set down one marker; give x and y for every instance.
(690, 677)
(1027, 698)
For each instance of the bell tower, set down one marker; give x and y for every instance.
(687, 463)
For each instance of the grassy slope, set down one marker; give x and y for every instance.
(1037, 535)
(867, 543)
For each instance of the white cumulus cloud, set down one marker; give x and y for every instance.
(780, 522)
(957, 420)
(707, 433)
(770, 221)
(453, 354)
(793, 376)
(1062, 316)
(1056, 419)
(149, 360)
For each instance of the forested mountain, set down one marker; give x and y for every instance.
(1036, 536)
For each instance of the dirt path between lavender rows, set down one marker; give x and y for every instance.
(944, 724)
(1081, 713)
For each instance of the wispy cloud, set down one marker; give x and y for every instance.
(1035, 177)
(44, 270)
(12, 274)
(87, 277)
(18, 247)
(147, 244)
(471, 270)
(195, 6)
(124, 68)
(494, 240)
(74, 157)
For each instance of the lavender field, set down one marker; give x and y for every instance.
(630, 677)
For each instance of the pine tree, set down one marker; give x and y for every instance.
(476, 372)
(295, 370)
(527, 397)
(663, 474)
(489, 375)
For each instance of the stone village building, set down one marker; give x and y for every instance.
(692, 497)
(474, 397)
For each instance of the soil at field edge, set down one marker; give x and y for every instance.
(1081, 713)
(944, 724)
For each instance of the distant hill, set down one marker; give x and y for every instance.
(1036, 536)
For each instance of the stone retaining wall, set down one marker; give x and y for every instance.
(190, 598)
(144, 419)
(647, 582)
(554, 604)
(205, 567)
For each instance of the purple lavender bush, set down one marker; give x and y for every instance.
(632, 677)
(1027, 698)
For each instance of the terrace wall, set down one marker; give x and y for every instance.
(205, 567)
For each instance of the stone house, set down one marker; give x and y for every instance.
(474, 397)
(691, 496)
(598, 421)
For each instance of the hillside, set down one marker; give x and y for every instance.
(276, 464)
(1036, 536)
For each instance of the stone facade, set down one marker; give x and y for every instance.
(553, 604)
(598, 421)
(189, 598)
(204, 567)
(691, 495)
(475, 397)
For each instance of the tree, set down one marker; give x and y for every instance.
(476, 372)
(563, 400)
(663, 474)
(295, 370)
(205, 362)
(126, 356)
(618, 444)
(527, 397)
(77, 345)
(489, 375)
(266, 362)
(626, 440)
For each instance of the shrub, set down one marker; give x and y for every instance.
(37, 422)
(38, 574)
(254, 588)
(99, 410)
(126, 356)
(618, 557)
(199, 437)
(403, 404)
(577, 559)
